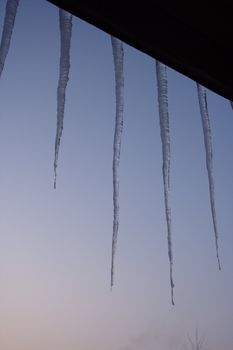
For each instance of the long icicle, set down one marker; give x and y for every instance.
(161, 73)
(209, 158)
(65, 20)
(231, 102)
(9, 20)
(118, 56)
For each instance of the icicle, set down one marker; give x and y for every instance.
(209, 158)
(231, 102)
(10, 13)
(161, 73)
(65, 19)
(118, 55)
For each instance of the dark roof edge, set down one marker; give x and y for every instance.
(172, 41)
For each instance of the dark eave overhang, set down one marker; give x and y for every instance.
(192, 37)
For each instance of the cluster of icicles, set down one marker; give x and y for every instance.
(65, 19)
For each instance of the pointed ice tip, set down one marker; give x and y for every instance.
(112, 279)
(172, 296)
(111, 285)
(55, 177)
(218, 258)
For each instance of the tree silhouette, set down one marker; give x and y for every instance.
(198, 343)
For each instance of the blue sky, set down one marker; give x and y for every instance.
(55, 247)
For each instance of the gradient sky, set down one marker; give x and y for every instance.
(55, 246)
